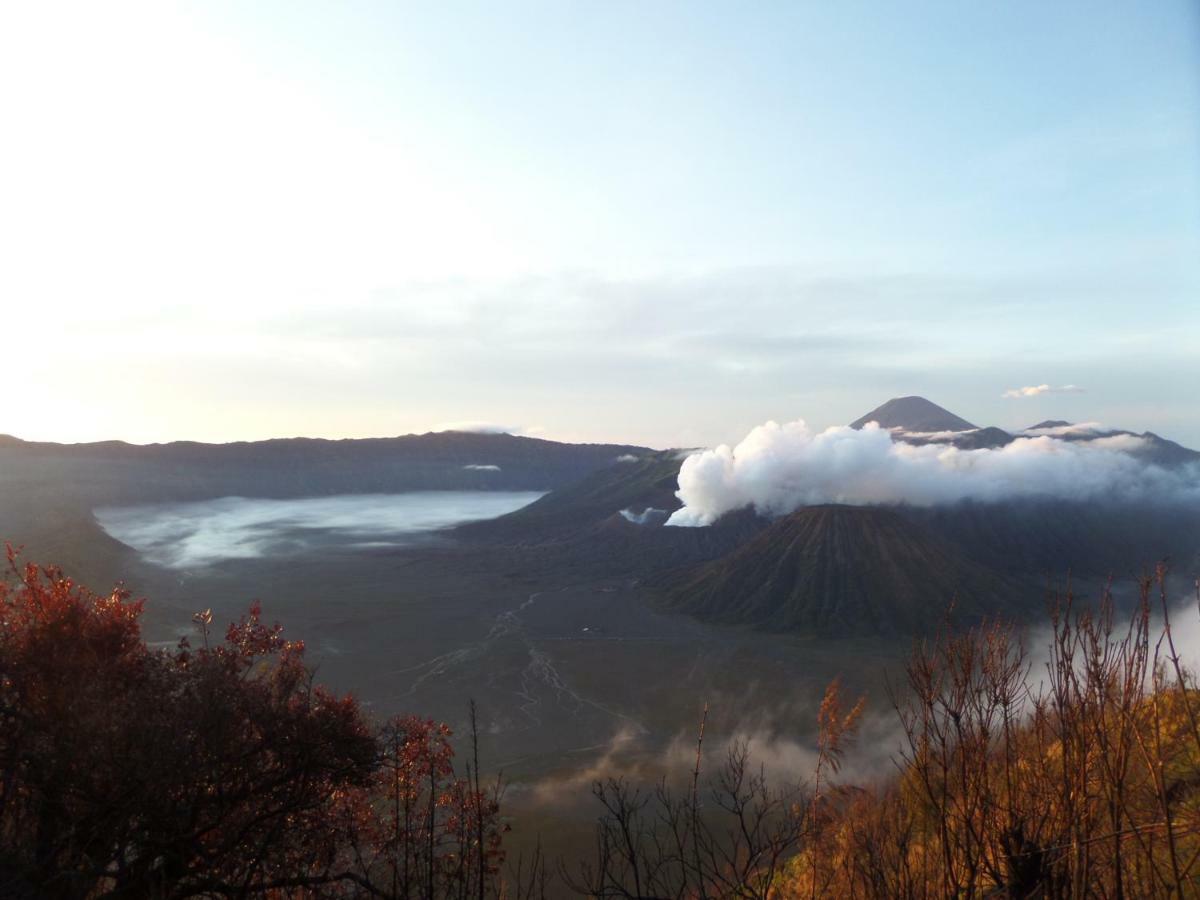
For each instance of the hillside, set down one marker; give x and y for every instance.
(978, 439)
(592, 526)
(1059, 539)
(48, 490)
(116, 472)
(839, 570)
(1152, 449)
(647, 482)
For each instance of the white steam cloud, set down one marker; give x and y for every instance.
(1035, 390)
(627, 458)
(779, 468)
(481, 467)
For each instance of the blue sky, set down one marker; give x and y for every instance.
(661, 223)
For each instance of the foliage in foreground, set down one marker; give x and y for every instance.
(216, 771)
(1075, 777)
(223, 771)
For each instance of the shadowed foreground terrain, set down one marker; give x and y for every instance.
(217, 768)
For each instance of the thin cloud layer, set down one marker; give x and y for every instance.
(777, 469)
(1039, 389)
(1071, 429)
(207, 532)
(483, 426)
(476, 427)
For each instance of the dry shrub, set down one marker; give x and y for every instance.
(1076, 778)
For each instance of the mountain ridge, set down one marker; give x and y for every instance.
(111, 472)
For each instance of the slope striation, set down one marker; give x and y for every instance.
(840, 570)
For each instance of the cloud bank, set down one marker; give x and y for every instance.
(1038, 389)
(779, 468)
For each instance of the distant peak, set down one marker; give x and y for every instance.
(1050, 423)
(914, 414)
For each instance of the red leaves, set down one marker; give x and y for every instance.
(415, 749)
(121, 766)
(436, 833)
(219, 770)
(43, 602)
(250, 638)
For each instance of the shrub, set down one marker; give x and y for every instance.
(219, 770)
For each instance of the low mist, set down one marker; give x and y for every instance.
(181, 535)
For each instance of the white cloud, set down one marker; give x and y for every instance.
(484, 426)
(932, 435)
(477, 427)
(1070, 429)
(1039, 389)
(779, 468)
(1126, 443)
(627, 458)
(473, 467)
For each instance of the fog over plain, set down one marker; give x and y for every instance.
(189, 535)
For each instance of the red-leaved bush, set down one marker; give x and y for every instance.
(218, 770)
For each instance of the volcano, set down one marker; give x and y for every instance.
(842, 570)
(914, 414)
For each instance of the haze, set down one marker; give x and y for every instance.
(227, 221)
(188, 535)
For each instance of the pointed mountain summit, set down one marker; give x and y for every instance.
(914, 414)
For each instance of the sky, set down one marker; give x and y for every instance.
(657, 223)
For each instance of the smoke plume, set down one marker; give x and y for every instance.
(779, 468)
(649, 514)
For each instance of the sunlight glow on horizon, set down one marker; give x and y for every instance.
(655, 226)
